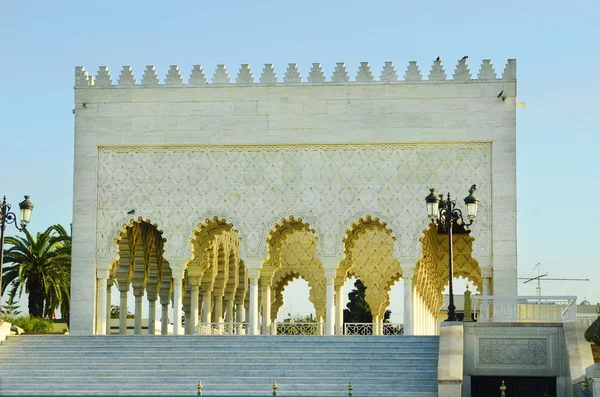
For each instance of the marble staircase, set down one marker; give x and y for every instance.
(399, 366)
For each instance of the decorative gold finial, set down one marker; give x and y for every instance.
(598, 308)
(467, 306)
(275, 388)
(585, 383)
(199, 387)
(502, 389)
(350, 388)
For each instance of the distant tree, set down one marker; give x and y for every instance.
(301, 318)
(115, 312)
(11, 307)
(358, 310)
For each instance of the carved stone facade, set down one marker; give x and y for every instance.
(514, 351)
(254, 186)
(236, 186)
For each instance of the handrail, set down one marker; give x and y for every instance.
(525, 308)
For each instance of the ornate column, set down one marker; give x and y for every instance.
(375, 325)
(138, 293)
(140, 278)
(429, 322)
(416, 314)
(486, 275)
(152, 287)
(330, 303)
(339, 309)
(229, 315)
(187, 306)
(218, 307)
(123, 290)
(194, 296)
(109, 285)
(330, 266)
(102, 275)
(407, 276)
(247, 310)
(164, 316)
(239, 317)
(165, 292)
(177, 274)
(253, 274)
(266, 308)
(206, 306)
(421, 316)
(152, 316)
(124, 273)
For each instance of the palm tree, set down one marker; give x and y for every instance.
(42, 267)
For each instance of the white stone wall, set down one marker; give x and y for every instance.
(536, 350)
(387, 141)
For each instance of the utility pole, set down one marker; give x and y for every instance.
(543, 277)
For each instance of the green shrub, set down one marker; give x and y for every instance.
(31, 324)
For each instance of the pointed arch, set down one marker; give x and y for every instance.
(277, 238)
(431, 272)
(121, 230)
(369, 246)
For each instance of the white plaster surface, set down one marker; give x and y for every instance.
(326, 152)
(450, 364)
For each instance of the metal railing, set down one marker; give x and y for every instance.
(373, 329)
(543, 309)
(291, 328)
(222, 329)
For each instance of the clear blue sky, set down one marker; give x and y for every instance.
(556, 46)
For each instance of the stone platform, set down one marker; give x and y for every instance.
(162, 365)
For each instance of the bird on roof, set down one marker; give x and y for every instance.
(437, 59)
(464, 58)
(131, 212)
(500, 94)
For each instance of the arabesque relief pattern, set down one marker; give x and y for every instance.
(431, 272)
(298, 259)
(369, 248)
(253, 185)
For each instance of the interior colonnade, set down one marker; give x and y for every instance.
(219, 292)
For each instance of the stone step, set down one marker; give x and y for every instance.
(160, 365)
(43, 363)
(172, 364)
(186, 385)
(329, 373)
(285, 356)
(172, 393)
(254, 338)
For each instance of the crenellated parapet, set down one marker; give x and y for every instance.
(316, 75)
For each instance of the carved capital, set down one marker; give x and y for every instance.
(486, 272)
(330, 262)
(253, 274)
(103, 273)
(330, 274)
(138, 292)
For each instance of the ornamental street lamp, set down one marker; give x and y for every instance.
(6, 218)
(446, 216)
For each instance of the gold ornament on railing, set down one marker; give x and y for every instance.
(468, 307)
(199, 387)
(350, 388)
(502, 389)
(275, 388)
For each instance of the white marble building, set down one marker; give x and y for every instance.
(212, 196)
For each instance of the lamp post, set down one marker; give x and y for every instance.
(444, 214)
(6, 218)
